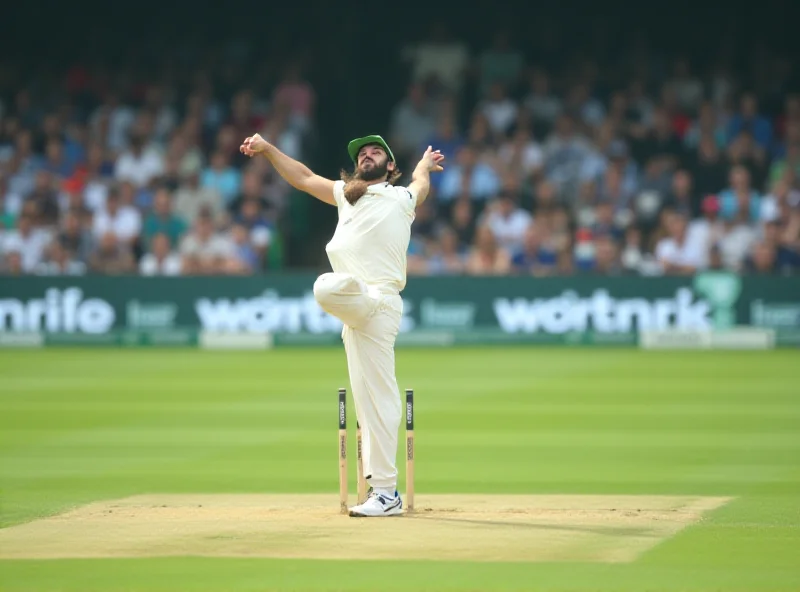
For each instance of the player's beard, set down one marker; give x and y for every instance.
(377, 171)
(357, 185)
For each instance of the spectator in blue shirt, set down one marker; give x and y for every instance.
(222, 177)
(258, 226)
(24, 165)
(605, 222)
(245, 254)
(748, 118)
(448, 257)
(56, 160)
(740, 201)
(447, 140)
(469, 178)
(535, 257)
(786, 251)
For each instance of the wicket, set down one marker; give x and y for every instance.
(343, 450)
(409, 450)
(361, 492)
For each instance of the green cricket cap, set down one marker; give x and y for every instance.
(355, 145)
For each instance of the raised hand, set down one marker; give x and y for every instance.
(433, 160)
(253, 145)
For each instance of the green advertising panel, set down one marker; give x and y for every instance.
(443, 310)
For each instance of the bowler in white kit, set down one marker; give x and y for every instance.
(368, 257)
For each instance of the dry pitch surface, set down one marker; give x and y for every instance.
(443, 527)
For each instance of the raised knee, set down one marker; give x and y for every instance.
(324, 287)
(331, 284)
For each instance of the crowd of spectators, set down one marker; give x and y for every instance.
(109, 174)
(553, 173)
(549, 170)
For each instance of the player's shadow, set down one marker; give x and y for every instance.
(601, 530)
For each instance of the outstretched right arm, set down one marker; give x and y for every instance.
(295, 173)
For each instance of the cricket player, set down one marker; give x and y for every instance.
(368, 257)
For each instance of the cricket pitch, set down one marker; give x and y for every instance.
(521, 528)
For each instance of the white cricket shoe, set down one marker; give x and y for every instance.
(378, 504)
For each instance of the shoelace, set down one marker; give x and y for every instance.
(381, 498)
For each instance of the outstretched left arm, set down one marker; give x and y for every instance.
(421, 177)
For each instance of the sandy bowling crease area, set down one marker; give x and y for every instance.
(524, 528)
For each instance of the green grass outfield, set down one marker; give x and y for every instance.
(81, 425)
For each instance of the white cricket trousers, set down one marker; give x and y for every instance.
(371, 323)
